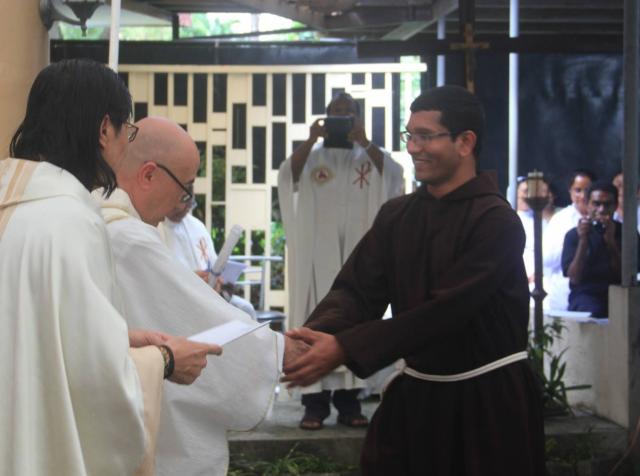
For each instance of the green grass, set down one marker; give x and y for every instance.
(293, 463)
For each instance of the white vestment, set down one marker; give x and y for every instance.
(555, 284)
(191, 244)
(325, 214)
(235, 391)
(526, 217)
(72, 402)
(619, 218)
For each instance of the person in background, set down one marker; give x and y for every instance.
(555, 283)
(191, 243)
(591, 256)
(329, 197)
(526, 216)
(618, 183)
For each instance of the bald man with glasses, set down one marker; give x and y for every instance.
(158, 290)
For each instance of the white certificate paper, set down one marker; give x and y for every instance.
(232, 271)
(225, 333)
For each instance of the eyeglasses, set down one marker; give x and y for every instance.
(188, 192)
(132, 131)
(421, 139)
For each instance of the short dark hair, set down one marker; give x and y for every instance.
(603, 186)
(347, 97)
(460, 111)
(581, 172)
(67, 103)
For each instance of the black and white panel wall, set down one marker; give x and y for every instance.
(246, 120)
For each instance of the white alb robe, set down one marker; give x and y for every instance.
(617, 217)
(191, 244)
(325, 214)
(555, 283)
(526, 217)
(71, 397)
(235, 391)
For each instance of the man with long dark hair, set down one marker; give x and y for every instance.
(448, 258)
(72, 400)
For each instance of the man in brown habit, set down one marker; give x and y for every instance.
(448, 258)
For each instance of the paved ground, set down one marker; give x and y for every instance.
(280, 433)
(283, 424)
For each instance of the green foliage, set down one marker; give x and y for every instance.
(554, 394)
(198, 211)
(583, 447)
(74, 32)
(127, 33)
(145, 33)
(239, 249)
(206, 25)
(293, 463)
(238, 174)
(202, 25)
(277, 239)
(258, 242)
(277, 249)
(218, 172)
(217, 226)
(218, 187)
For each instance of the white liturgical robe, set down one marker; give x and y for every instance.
(555, 283)
(71, 397)
(325, 214)
(235, 391)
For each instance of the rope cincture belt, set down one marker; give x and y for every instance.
(401, 368)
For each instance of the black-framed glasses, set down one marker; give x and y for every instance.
(421, 139)
(132, 131)
(188, 191)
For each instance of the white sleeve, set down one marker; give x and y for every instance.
(160, 293)
(552, 243)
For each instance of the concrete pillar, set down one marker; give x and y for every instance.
(626, 301)
(607, 357)
(24, 51)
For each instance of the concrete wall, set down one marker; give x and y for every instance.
(602, 355)
(24, 51)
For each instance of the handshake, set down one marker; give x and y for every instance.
(309, 355)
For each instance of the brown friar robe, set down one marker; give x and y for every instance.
(452, 270)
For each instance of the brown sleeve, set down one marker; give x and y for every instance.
(352, 309)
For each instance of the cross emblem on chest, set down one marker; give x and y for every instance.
(363, 172)
(204, 254)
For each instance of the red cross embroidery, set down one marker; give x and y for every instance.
(322, 175)
(363, 171)
(204, 254)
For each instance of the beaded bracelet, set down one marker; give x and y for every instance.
(169, 360)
